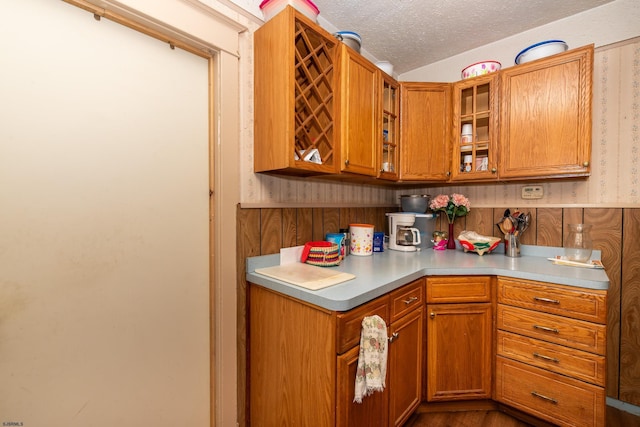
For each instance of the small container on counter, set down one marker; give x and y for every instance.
(378, 241)
(347, 240)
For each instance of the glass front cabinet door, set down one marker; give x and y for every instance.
(389, 137)
(475, 117)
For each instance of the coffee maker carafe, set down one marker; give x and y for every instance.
(402, 236)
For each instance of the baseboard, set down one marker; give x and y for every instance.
(623, 406)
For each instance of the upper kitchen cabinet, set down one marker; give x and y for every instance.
(545, 117)
(425, 129)
(475, 129)
(359, 124)
(389, 104)
(296, 82)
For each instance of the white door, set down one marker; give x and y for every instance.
(104, 227)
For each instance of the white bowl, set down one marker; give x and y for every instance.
(480, 68)
(541, 50)
(350, 38)
(385, 66)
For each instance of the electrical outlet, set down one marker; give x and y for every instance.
(532, 192)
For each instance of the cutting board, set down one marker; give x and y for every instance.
(305, 275)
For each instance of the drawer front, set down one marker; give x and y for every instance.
(406, 299)
(349, 323)
(562, 360)
(458, 289)
(558, 399)
(574, 333)
(579, 303)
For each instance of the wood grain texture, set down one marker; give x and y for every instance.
(289, 227)
(630, 309)
(607, 237)
(481, 221)
(317, 224)
(297, 366)
(330, 220)
(548, 228)
(270, 231)
(248, 245)
(304, 229)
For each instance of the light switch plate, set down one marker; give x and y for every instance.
(532, 192)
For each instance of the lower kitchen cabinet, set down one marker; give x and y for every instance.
(303, 360)
(403, 390)
(548, 353)
(551, 343)
(459, 338)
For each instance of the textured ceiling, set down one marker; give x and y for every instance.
(414, 33)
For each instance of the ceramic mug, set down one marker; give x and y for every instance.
(361, 239)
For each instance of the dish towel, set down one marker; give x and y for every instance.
(372, 361)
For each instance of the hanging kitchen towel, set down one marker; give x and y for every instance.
(372, 361)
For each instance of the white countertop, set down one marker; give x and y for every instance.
(383, 272)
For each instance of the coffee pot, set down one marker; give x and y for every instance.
(402, 236)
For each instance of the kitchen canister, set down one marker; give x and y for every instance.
(361, 239)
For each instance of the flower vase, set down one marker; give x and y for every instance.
(451, 243)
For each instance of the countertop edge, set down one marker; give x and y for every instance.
(366, 286)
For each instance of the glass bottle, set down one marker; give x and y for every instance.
(578, 246)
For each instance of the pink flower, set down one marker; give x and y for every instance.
(460, 200)
(439, 202)
(454, 206)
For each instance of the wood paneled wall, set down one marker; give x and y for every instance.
(615, 232)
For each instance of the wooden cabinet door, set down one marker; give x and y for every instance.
(404, 372)
(373, 411)
(545, 117)
(360, 128)
(425, 129)
(459, 349)
(475, 110)
(295, 88)
(389, 107)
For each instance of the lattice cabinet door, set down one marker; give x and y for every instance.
(296, 80)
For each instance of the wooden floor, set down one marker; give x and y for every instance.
(494, 418)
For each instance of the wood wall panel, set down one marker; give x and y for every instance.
(548, 228)
(263, 231)
(289, 227)
(330, 220)
(607, 237)
(630, 309)
(304, 220)
(247, 245)
(270, 231)
(481, 221)
(317, 224)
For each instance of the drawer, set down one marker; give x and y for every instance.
(406, 299)
(579, 303)
(562, 360)
(458, 289)
(561, 400)
(349, 323)
(574, 333)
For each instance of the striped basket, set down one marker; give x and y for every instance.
(324, 256)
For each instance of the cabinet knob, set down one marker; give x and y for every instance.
(393, 337)
(346, 162)
(494, 170)
(585, 164)
(448, 173)
(432, 315)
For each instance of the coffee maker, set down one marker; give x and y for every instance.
(402, 235)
